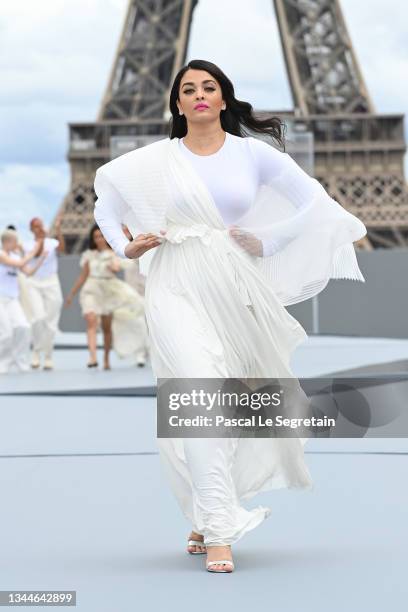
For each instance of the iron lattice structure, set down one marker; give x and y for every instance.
(358, 154)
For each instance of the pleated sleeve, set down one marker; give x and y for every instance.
(110, 212)
(307, 237)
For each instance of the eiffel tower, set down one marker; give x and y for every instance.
(358, 154)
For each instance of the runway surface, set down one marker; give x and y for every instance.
(86, 506)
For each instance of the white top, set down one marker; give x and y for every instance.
(50, 263)
(98, 263)
(9, 278)
(232, 176)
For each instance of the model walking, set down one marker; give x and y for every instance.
(42, 294)
(14, 327)
(108, 302)
(239, 231)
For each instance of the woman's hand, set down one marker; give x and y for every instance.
(142, 243)
(37, 250)
(247, 241)
(114, 265)
(68, 300)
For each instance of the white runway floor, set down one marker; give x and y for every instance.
(85, 505)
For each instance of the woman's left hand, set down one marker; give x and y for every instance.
(247, 241)
(68, 300)
(113, 266)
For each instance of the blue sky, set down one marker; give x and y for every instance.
(55, 57)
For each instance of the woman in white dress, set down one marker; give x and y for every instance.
(14, 327)
(42, 294)
(238, 230)
(107, 301)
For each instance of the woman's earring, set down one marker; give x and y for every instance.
(224, 107)
(180, 112)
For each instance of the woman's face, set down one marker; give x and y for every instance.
(37, 228)
(99, 240)
(200, 87)
(10, 244)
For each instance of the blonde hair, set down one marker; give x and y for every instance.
(7, 234)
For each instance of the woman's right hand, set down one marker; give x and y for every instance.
(39, 246)
(36, 251)
(142, 243)
(68, 300)
(247, 241)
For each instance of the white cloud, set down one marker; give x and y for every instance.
(55, 58)
(380, 41)
(28, 191)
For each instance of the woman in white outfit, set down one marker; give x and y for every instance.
(107, 301)
(43, 296)
(225, 265)
(14, 327)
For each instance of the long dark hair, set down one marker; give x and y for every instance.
(91, 239)
(237, 115)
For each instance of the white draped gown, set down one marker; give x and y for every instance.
(209, 317)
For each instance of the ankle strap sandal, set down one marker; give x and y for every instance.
(220, 562)
(197, 543)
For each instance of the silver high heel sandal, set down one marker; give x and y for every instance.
(197, 543)
(220, 562)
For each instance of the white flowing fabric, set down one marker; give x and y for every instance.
(42, 302)
(14, 328)
(42, 299)
(214, 310)
(14, 336)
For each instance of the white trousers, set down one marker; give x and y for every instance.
(45, 305)
(14, 336)
(215, 502)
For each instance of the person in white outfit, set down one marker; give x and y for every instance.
(44, 294)
(14, 327)
(216, 290)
